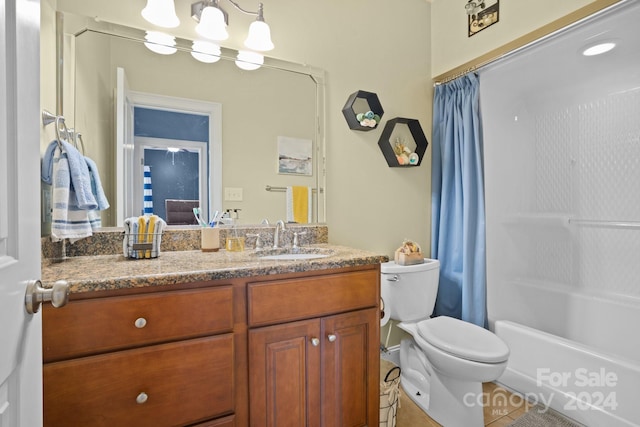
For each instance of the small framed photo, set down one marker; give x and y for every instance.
(482, 14)
(295, 156)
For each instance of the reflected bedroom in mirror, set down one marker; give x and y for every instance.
(189, 133)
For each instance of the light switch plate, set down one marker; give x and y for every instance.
(232, 194)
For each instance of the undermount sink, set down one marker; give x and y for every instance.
(294, 254)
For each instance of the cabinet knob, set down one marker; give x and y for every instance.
(315, 342)
(331, 337)
(142, 397)
(140, 322)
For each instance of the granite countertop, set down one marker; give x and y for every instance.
(110, 272)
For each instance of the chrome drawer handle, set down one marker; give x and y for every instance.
(331, 337)
(140, 322)
(315, 342)
(142, 397)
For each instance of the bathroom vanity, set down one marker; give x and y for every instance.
(214, 339)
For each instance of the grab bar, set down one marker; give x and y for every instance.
(282, 189)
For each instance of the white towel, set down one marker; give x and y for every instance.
(68, 220)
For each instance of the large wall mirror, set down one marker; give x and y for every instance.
(211, 130)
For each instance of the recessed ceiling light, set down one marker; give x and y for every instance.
(598, 49)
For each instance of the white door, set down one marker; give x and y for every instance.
(20, 333)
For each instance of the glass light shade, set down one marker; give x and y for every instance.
(212, 25)
(249, 61)
(259, 37)
(161, 13)
(159, 42)
(205, 51)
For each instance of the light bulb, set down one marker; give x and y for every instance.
(160, 42)
(205, 51)
(249, 61)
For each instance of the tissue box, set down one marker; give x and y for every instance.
(409, 259)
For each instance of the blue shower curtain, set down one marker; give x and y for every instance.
(457, 200)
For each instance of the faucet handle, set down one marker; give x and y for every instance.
(258, 244)
(295, 238)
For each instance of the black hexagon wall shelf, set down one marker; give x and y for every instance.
(417, 134)
(350, 114)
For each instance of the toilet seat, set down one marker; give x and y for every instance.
(463, 339)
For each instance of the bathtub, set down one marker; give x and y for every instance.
(586, 385)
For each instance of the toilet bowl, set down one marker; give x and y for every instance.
(447, 360)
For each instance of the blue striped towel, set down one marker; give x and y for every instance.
(148, 195)
(68, 220)
(96, 185)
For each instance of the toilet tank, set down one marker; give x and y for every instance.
(409, 291)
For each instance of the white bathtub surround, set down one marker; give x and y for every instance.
(562, 149)
(588, 386)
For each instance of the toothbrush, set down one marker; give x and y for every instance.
(196, 213)
(214, 221)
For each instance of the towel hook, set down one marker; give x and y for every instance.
(61, 127)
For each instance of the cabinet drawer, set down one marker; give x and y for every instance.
(95, 326)
(162, 385)
(222, 422)
(292, 299)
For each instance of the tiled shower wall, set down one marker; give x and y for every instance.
(587, 171)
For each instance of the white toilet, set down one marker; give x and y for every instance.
(446, 362)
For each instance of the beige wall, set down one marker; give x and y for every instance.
(452, 47)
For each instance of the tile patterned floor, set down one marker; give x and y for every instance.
(502, 406)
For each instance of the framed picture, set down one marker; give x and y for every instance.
(295, 156)
(482, 14)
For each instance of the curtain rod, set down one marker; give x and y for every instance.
(527, 40)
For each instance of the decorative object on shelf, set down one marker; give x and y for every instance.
(396, 150)
(363, 111)
(481, 14)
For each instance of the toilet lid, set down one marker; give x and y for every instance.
(463, 339)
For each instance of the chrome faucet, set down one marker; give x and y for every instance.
(276, 235)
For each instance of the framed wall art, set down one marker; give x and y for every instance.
(295, 156)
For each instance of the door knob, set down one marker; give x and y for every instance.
(36, 294)
(331, 337)
(315, 342)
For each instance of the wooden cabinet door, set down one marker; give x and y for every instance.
(351, 369)
(284, 375)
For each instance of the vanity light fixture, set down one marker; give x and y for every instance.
(161, 13)
(159, 42)
(205, 51)
(213, 21)
(248, 60)
(598, 49)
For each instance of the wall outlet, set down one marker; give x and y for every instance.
(232, 194)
